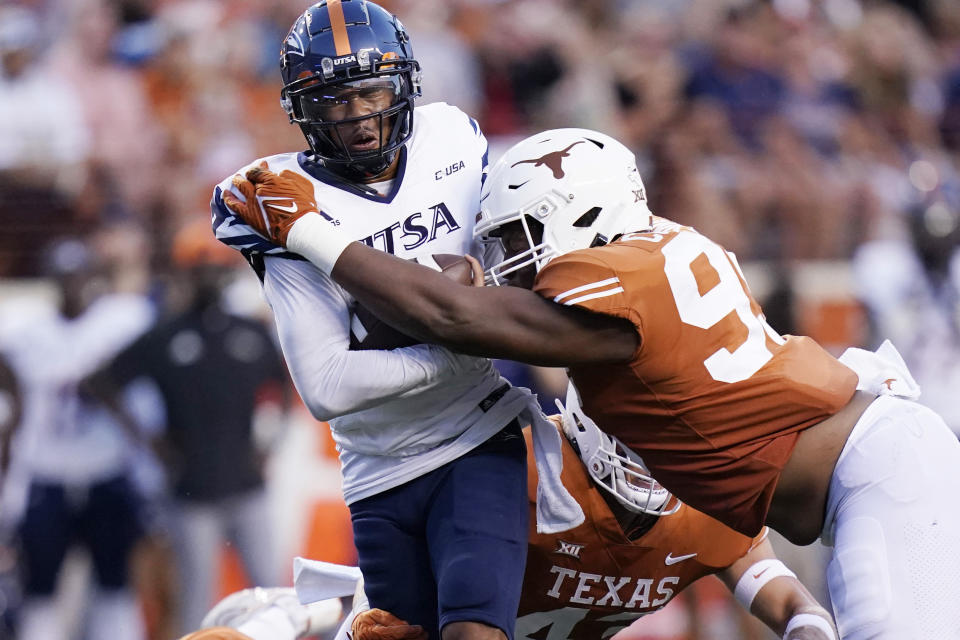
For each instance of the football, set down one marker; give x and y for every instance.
(451, 265)
(368, 332)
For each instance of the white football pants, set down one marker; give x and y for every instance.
(893, 520)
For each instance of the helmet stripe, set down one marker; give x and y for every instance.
(339, 25)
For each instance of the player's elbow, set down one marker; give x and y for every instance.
(326, 402)
(321, 411)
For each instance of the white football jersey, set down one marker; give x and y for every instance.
(64, 438)
(398, 414)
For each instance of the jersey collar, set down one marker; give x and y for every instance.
(324, 175)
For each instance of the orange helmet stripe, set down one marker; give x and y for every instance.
(339, 25)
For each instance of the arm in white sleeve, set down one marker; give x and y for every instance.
(313, 322)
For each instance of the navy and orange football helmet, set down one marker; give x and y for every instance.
(341, 53)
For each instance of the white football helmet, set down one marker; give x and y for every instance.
(581, 185)
(611, 464)
(244, 606)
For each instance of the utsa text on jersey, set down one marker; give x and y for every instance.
(412, 227)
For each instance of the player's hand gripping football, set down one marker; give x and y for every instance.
(377, 624)
(272, 202)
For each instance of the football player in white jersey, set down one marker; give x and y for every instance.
(71, 478)
(432, 456)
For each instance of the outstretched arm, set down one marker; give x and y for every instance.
(503, 322)
(781, 601)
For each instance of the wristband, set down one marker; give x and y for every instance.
(810, 620)
(317, 240)
(758, 575)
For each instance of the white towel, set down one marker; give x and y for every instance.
(882, 372)
(557, 510)
(315, 580)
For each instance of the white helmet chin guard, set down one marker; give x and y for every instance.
(581, 185)
(613, 466)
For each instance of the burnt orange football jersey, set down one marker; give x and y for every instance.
(713, 399)
(591, 581)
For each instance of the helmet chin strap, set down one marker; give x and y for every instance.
(348, 181)
(362, 171)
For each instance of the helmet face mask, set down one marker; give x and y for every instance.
(614, 468)
(520, 239)
(350, 80)
(581, 186)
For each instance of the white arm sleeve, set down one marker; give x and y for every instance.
(313, 322)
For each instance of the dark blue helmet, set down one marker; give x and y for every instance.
(349, 74)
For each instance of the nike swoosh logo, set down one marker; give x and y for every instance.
(671, 559)
(757, 575)
(291, 209)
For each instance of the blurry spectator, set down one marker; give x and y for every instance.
(911, 288)
(74, 455)
(739, 70)
(649, 76)
(43, 136)
(126, 146)
(44, 144)
(950, 124)
(212, 369)
(696, 163)
(543, 67)
(450, 66)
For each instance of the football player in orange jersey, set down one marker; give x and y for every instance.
(636, 550)
(673, 356)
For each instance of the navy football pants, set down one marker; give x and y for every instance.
(105, 517)
(450, 545)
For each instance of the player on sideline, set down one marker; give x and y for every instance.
(737, 421)
(432, 457)
(638, 548)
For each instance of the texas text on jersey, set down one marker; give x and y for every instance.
(591, 581)
(725, 395)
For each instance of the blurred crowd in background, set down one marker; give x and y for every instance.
(817, 139)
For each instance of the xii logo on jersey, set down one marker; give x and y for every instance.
(569, 549)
